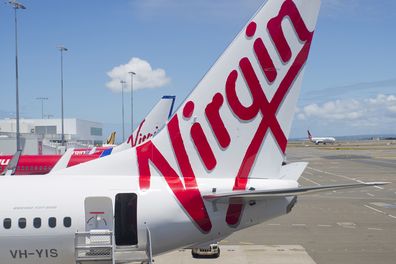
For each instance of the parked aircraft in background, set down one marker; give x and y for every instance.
(111, 139)
(214, 170)
(321, 140)
(42, 164)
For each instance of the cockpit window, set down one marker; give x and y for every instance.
(52, 222)
(37, 222)
(22, 222)
(67, 222)
(7, 223)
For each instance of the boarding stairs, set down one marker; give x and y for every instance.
(98, 247)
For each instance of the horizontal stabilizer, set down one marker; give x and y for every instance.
(292, 171)
(257, 194)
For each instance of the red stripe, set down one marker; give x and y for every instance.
(203, 147)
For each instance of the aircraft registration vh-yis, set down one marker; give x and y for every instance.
(213, 170)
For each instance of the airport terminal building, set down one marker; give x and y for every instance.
(43, 136)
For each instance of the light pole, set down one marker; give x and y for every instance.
(62, 49)
(123, 124)
(42, 105)
(132, 73)
(16, 6)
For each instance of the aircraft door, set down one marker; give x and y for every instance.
(125, 218)
(98, 213)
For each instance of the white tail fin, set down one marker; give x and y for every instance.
(236, 122)
(111, 139)
(151, 125)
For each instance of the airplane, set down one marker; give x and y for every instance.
(111, 139)
(323, 140)
(43, 164)
(213, 170)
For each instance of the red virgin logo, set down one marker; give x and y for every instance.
(188, 194)
(140, 138)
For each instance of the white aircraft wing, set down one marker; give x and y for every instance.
(265, 194)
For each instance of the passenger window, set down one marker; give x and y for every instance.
(37, 222)
(22, 222)
(52, 222)
(67, 222)
(7, 223)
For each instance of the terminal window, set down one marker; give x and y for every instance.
(96, 131)
(42, 130)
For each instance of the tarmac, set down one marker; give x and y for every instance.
(344, 226)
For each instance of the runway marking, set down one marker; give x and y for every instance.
(314, 182)
(347, 224)
(375, 228)
(299, 225)
(372, 195)
(374, 209)
(310, 173)
(246, 243)
(379, 211)
(342, 176)
(337, 175)
(325, 225)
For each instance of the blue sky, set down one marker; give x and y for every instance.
(349, 85)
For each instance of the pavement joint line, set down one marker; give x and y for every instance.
(372, 195)
(314, 182)
(374, 209)
(274, 224)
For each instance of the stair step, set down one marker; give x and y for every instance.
(128, 256)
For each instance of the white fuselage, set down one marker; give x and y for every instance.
(43, 197)
(323, 140)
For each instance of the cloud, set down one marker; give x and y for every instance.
(352, 90)
(146, 76)
(376, 111)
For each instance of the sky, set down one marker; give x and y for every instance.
(349, 85)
